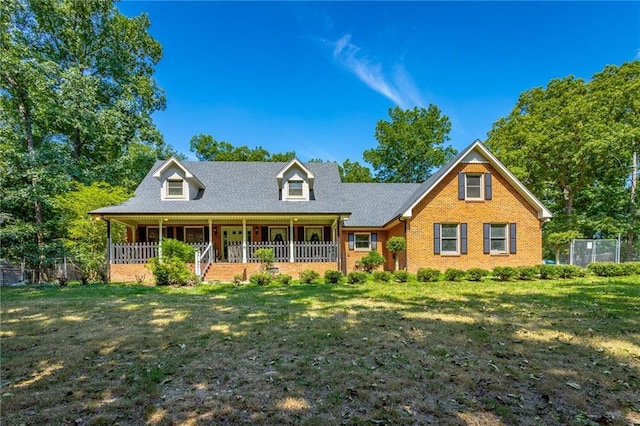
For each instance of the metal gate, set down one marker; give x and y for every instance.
(584, 252)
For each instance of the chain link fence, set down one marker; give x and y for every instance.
(583, 252)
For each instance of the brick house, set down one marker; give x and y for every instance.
(471, 213)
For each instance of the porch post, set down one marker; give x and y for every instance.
(134, 234)
(160, 239)
(334, 239)
(291, 254)
(210, 239)
(244, 240)
(108, 249)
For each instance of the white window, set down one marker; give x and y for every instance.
(175, 188)
(498, 238)
(363, 241)
(449, 238)
(313, 233)
(473, 186)
(295, 188)
(193, 234)
(278, 235)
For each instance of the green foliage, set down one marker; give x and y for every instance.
(266, 257)
(504, 273)
(425, 275)
(207, 148)
(332, 277)
(172, 248)
(357, 277)
(401, 276)
(355, 172)
(371, 260)
(261, 278)
(570, 271)
(284, 279)
(477, 274)
(411, 145)
(382, 276)
(453, 274)
(171, 271)
(560, 239)
(309, 276)
(611, 269)
(396, 245)
(549, 272)
(526, 272)
(237, 279)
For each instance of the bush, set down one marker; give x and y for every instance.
(266, 257)
(504, 273)
(426, 275)
(357, 277)
(526, 272)
(171, 271)
(284, 279)
(261, 278)
(382, 276)
(606, 269)
(476, 274)
(177, 249)
(308, 276)
(401, 276)
(237, 279)
(332, 277)
(570, 271)
(372, 260)
(453, 274)
(548, 272)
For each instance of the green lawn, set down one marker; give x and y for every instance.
(532, 352)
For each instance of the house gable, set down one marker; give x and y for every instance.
(177, 183)
(295, 182)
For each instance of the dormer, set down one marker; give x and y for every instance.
(177, 183)
(295, 182)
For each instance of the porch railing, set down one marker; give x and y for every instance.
(128, 253)
(302, 251)
(203, 259)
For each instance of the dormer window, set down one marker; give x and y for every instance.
(175, 188)
(295, 188)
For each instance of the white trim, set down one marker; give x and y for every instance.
(285, 235)
(168, 196)
(184, 232)
(320, 235)
(466, 187)
(355, 241)
(187, 173)
(444, 252)
(506, 238)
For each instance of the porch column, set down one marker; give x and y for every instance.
(291, 255)
(160, 239)
(244, 240)
(134, 234)
(108, 249)
(210, 239)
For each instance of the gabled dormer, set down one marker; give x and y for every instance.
(177, 183)
(295, 182)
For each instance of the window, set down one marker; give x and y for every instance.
(313, 233)
(278, 235)
(175, 188)
(295, 188)
(449, 238)
(498, 238)
(193, 234)
(363, 241)
(473, 187)
(153, 236)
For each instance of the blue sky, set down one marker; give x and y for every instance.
(316, 77)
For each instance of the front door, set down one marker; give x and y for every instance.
(233, 235)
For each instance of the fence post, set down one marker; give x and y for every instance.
(197, 262)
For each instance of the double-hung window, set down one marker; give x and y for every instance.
(363, 241)
(175, 188)
(498, 238)
(295, 188)
(449, 239)
(473, 186)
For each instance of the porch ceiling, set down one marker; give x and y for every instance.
(168, 219)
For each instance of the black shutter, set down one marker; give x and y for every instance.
(463, 238)
(265, 233)
(512, 238)
(142, 233)
(352, 241)
(374, 241)
(327, 233)
(436, 238)
(461, 193)
(487, 186)
(300, 233)
(487, 238)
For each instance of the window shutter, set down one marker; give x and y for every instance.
(487, 186)
(463, 238)
(327, 233)
(487, 238)
(461, 186)
(436, 238)
(374, 241)
(352, 241)
(512, 238)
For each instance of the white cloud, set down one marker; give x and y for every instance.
(399, 88)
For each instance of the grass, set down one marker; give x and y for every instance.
(535, 352)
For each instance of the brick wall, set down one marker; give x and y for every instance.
(130, 273)
(225, 272)
(442, 206)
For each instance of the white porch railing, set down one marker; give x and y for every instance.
(302, 251)
(203, 260)
(127, 253)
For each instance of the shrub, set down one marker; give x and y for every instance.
(308, 276)
(237, 279)
(548, 272)
(177, 249)
(504, 273)
(426, 275)
(570, 271)
(266, 257)
(332, 277)
(171, 271)
(284, 279)
(606, 269)
(401, 276)
(476, 274)
(526, 272)
(382, 276)
(371, 261)
(453, 274)
(357, 277)
(261, 278)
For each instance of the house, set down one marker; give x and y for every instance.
(471, 213)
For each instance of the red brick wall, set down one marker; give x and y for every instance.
(442, 206)
(129, 273)
(225, 272)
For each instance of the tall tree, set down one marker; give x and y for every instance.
(410, 146)
(76, 98)
(207, 148)
(353, 171)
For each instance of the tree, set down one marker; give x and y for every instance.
(411, 145)
(353, 171)
(561, 239)
(396, 245)
(371, 260)
(207, 148)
